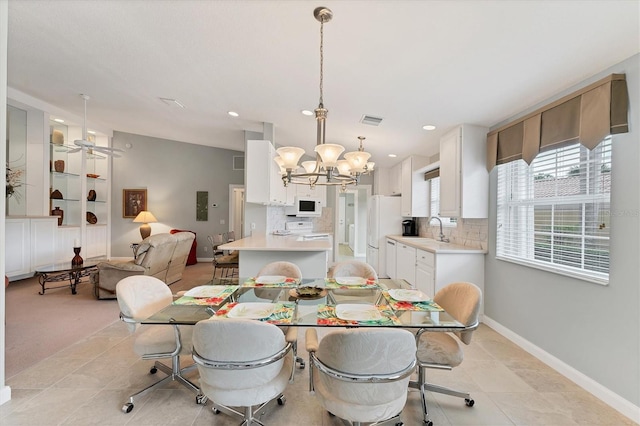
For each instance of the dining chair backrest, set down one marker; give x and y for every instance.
(140, 296)
(462, 301)
(352, 268)
(372, 354)
(284, 268)
(238, 340)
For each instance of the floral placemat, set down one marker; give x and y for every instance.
(327, 316)
(398, 305)
(282, 314)
(221, 297)
(288, 282)
(331, 284)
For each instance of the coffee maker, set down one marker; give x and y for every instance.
(409, 228)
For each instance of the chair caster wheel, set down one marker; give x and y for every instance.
(302, 365)
(469, 402)
(153, 370)
(428, 422)
(215, 410)
(201, 399)
(127, 408)
(399, 424)
(282, 400)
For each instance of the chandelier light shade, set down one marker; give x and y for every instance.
(329, 153)
(145, 217)
(327, 169)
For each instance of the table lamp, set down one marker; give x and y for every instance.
(145, 217)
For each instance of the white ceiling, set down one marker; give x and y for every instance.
(410, 62)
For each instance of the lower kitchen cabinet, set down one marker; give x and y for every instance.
(425, 272)
(406, 263)
(391, 258)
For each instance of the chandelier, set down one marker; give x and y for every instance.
(327, 169)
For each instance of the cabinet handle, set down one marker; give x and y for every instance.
(391, 243)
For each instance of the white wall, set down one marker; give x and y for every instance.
(592, 328)
(172, 172)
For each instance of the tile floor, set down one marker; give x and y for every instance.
(87, 384)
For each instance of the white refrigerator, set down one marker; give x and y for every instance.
(383, 218)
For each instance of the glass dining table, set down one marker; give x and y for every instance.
(311, 302)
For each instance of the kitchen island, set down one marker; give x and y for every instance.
(309, 252)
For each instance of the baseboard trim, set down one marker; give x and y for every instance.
(587, 383)
(5, 394)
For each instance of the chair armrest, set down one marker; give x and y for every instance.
(362, 378)
(291, 335)
(311, 338)
(243, 365)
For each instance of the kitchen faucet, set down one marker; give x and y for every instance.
(442, 238)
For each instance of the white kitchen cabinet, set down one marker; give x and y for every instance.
(381, 181)
(425, 272)
(319, 192)
(414, 187)
(406, 263)
(391, 268)
(263, 180)
(395, 180)
(30, 242)
(464, 180)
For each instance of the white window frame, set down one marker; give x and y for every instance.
(434, 203)
(518, 235)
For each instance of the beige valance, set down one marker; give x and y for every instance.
(432, 174)
(587, 116)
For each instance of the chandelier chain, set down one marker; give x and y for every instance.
(321, 61)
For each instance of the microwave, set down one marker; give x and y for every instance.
(304, 207)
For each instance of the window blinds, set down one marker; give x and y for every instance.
(556, 211)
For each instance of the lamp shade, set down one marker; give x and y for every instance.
(357, 160)
(329, 152)
(309, 166)
(290, 156)
(145, 217)
(344, 168)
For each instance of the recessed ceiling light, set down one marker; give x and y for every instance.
(58, 120)
(306, 112)
(233, 114)
(429, 127)
(392, 155)
(91, 131)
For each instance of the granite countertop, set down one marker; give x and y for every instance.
(270, 242)
(435, 246)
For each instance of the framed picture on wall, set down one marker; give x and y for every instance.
(133, 202)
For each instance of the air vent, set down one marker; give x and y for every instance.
(371, 120)
(238, 162)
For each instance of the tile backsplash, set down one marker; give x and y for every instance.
(276, 219)
(467, 232)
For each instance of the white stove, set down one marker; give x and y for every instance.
(301, 227)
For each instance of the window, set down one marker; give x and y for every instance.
(434, 197)
(554, 214)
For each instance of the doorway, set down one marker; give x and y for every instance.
(350, 223)
(236, 210)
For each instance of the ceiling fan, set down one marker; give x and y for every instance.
(90, 146)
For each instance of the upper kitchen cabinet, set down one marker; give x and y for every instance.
(395, 180)
(319, 192)
(414, 187)
(464, 180)
(263, 180)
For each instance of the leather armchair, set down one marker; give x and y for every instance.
(184, 242)
(154, 257)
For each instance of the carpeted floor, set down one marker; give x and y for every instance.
(38, 326)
